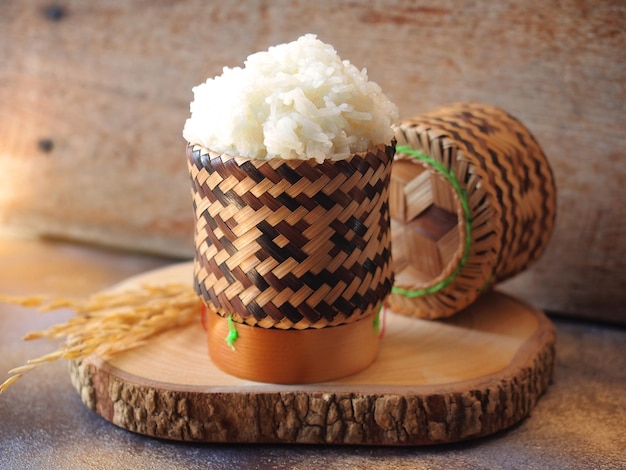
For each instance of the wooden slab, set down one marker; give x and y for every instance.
(443, 381)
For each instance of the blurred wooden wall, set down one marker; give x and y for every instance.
(93, 97)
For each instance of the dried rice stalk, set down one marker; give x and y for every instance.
(106, 324)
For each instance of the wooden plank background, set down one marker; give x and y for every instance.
(93, 97)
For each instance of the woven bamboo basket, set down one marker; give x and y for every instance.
(292, 249)
(472, 203)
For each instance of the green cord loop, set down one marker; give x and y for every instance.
(232, 333)
(377, 318)
(449, 176)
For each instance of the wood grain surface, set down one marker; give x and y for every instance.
(433, 382)
(94, 96)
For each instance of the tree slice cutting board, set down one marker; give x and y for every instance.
(442, 381)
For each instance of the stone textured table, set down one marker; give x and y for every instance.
(578, 423)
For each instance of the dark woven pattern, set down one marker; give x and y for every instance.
(511, 193)
(292, 243)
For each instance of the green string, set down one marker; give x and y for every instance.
(448, 174)
(377, 319)
(486, 284)
(232, 333)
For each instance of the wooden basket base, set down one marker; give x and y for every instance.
(292, 356)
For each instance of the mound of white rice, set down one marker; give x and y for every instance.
(295, 101)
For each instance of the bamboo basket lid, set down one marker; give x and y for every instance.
(473, 202)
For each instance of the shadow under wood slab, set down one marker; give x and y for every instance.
(460, 378)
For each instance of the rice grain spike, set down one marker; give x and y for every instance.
(107, 324)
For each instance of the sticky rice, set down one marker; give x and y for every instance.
(294, 101)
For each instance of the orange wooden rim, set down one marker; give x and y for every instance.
(292, 356)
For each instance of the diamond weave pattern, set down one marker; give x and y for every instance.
(292, 243)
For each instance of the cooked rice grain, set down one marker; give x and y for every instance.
(295, 101)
